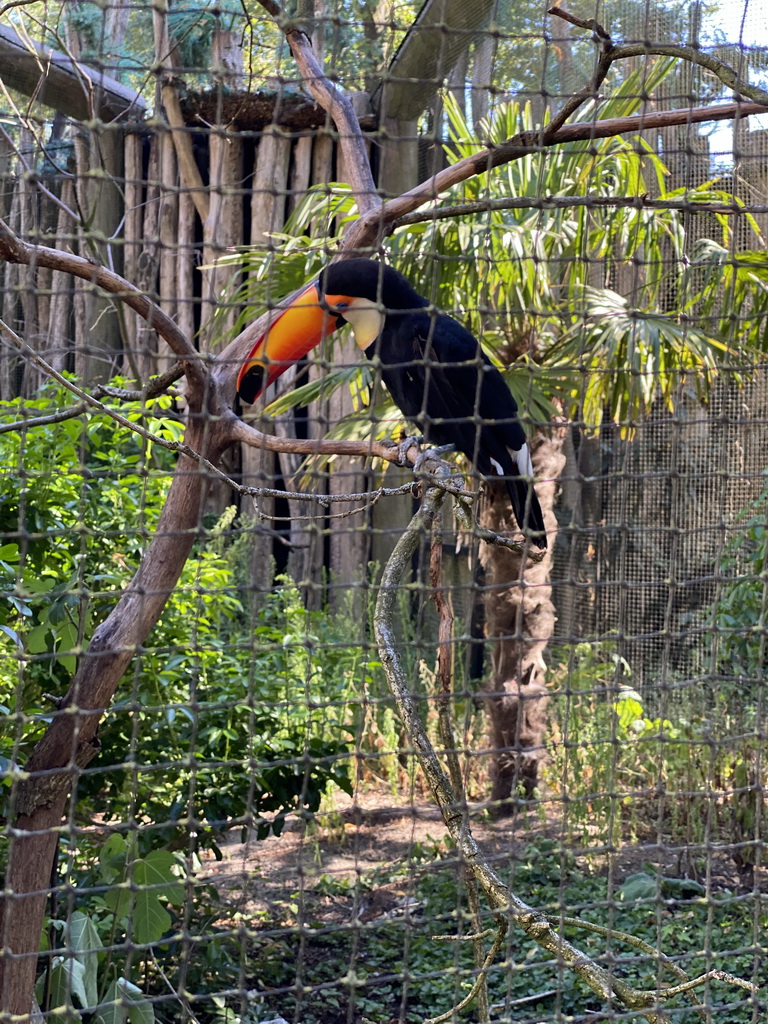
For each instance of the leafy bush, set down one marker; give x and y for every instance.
(621, 771)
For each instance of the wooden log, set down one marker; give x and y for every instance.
(362, 106)
(98, 337)
(270, 181)
(141, 363)
(349, 540)
(29, 231)
(60, 327)
(322, 164)
(9, 299)
(185, 287)
(134, 220)
(301, 173)
(169, 234)
(49, 218)
(270, 175)
(222, 230)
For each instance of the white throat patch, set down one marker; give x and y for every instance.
(367, 321)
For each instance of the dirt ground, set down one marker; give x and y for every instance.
(354, 838)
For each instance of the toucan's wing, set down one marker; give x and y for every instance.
(479, 414)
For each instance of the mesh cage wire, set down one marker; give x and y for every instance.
(250, 836)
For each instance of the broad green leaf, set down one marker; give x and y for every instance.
(638, 887)
(84, 941)
(126, 1002)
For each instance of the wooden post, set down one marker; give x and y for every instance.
(302, 171)
(98, 156)
(169, 239)
(185, 288)
(134, 219)
(60, 326)
(142, 362)
(222, 230)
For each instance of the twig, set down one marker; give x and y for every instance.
(155, 387)
(464, 515)
(630, 940)
(569, 202)
(43, 421)
(480, 982)
(336, 103)
(731, 979)
(613, 52)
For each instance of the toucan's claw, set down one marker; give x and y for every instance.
(432, 453)
(405, 446)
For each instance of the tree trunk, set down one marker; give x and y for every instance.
(39, 800)
(520, 619)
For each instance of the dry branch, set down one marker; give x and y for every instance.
(570, 202)
(337, 104)
(364, 234)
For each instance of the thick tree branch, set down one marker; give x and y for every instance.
(336, 103)
(504, 903)
(365, 233)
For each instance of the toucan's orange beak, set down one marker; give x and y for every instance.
(294, 332)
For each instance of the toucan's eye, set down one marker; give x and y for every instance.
(341, 305)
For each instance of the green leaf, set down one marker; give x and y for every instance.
(638, 887)
(67, 983)
(157, 868)
(37, 639)
(112, 857)
(67, 645)
(13, 635)
(126, 1003)
(85, 943)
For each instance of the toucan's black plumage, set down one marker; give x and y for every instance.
(433, 367)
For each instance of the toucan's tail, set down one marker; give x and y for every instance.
(525, 505)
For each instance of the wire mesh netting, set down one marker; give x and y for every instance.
(383, 639)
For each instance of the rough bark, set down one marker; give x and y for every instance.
(520, 619)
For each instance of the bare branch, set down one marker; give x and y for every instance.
(613, 52)
(366, 231)
(152, 389)
(43, 421)
(336, 103)
(569, 202)
(13, 250)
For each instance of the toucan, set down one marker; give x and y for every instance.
(433, 367)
